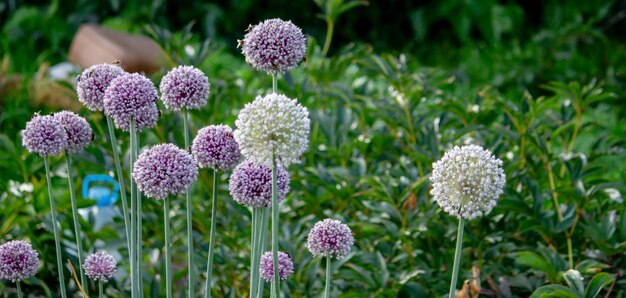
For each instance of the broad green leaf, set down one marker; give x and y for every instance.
(554, 291)
(598, 282)
(535, 261)
(575, 281)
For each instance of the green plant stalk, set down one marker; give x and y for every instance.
(209, 266)
(275, 282)
(274, 84)
(457, 258)
(100, 290)
(79, 242)
(190, 263)
(254, 271)
(139, 243)
(262, 239)
(133, 222)
(330, 28)
(120, 179)
(19, 289)
(570, 253)
(57, 236)
(327, 288)
(168, 253)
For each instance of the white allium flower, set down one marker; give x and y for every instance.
(467, 181)
(273, 123)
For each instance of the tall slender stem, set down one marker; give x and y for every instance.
(57, 236)
(209, 266)
(570, 253)
(262, 236)
(190, 263)
(133, 222)
(139, 241)
(77, 234)
(457, 258)
(327, 289)
(276, 280)
(168, 253)
(330, 27)
(120, 179)
(254, 266)
(274, 84)
(19, 289)
(100, 290)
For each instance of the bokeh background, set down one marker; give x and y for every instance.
(540, 83)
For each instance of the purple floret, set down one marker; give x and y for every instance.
(131, 95)
(93, 82)
(45, 136)
(184, 87)
(164, 170)
(330, 238)
(251, 184)
(100, 266)
(79, 133)
(285, 266)
(18, 260)
(274, 46)
(215, 147)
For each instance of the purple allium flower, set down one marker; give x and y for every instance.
(251, 184)
(215, 147)
(164, 170)
(273, 125)
(274, 46)
(18, 260)
(100, 266)
(131, 95)
(184, 87)
(331, 238)
(285, 266)
(93, 82)
(45, 136)
(79, 133)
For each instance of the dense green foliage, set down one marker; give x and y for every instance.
(549, 103)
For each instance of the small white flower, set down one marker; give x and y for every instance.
(273, 124)
(467, 181)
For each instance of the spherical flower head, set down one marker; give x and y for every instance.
(164, 170)
(184, 87)
(251, 184)
(79, 133)
(100, 266)
(467, 181)
(266, 268)
(215, 147)
(273, 124)
(331, 238)
(274, 46)
(131, 95)
(18, 260)
(93, 82)
(44, 135)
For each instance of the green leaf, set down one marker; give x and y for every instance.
(598, 282)
(575, 281)
(554, 291)
(535, 261)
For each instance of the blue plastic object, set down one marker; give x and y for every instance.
(95, 187)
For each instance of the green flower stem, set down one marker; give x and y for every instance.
(330, 27)
(254, 270)
(120, 178)
(133, 222)
(19, 289)
(457, 258)
(262, 239)
(139, 243)
(100, 290)
(275, 282)
(190, 263)
(79, 242)
(168, 253)
(57, 236)
(327, 288)
(274, 84)
(209, 266)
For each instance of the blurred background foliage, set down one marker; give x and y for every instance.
(540, 83)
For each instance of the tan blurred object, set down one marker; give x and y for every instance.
(93, 44)
(471, 287)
